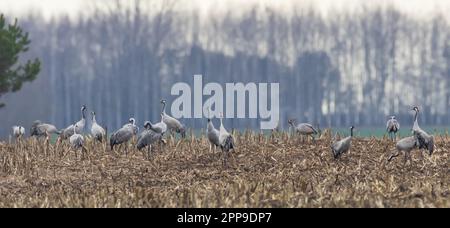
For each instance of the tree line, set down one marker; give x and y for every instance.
(349, 68)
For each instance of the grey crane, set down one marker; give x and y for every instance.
(424, 140)
(148, 137)
(212, 133)
(68, 131)
(160, 127)
(132, 123)
(343, 145)
(122, 135)
(18, 131)
(76, 140)
(406, 145)
(172, 124)
(43, 129)
(226, 141)
(97, 131)
(392, 126)
(303, 128)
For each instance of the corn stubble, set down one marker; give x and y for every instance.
(275, 171)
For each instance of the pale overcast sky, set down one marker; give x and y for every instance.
(49, 8)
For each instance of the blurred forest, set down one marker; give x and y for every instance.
(347, 68)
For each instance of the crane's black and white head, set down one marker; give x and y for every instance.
(83, 108)
(93, 114)
(416, 109)
(291, 122)
(393, 117)
(132, 121)
(163, 101)
(147, 125)
(209, 115)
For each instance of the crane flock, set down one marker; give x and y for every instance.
(154, 133)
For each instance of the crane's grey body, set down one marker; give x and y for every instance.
(342, 146)
(226, 141)
(392, 126)
(123, 135)
(132, 124)
(97, 131)
(79, 126)
(160, 127)
(424, 140)
(212, 134)
(420, 139)
(172, 124)
(43, 129)
(148, 137)
(406, 145)
(18, 131)
(305, 129)
(76, 140)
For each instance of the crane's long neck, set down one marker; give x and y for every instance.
(75, 129)
(416, 124)
(82, 114)
(351, 132)
(210, 125)
(93, 119)
(209, 116)
(163, 111)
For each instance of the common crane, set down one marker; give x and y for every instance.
(343, 145)
(172, 124)
(68, 131)
(97, 131)
(392, 126)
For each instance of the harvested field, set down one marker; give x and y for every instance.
(276, 171)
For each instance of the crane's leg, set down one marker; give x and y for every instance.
(149, 151)
(406, 158)
(210, 147)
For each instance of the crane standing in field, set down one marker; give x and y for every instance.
(420, 139)
(67, 132)
(173, 124)
(132, 124)
(124, 134)
(226, 141)
(212, 133)
(148, 137)
(406, 145)
(343, 145)
(392, 126)
(304, 129)
(424, 140)
(97, 131)
(18, 131)
(43, 129)
(160, 127)
(76, 140)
